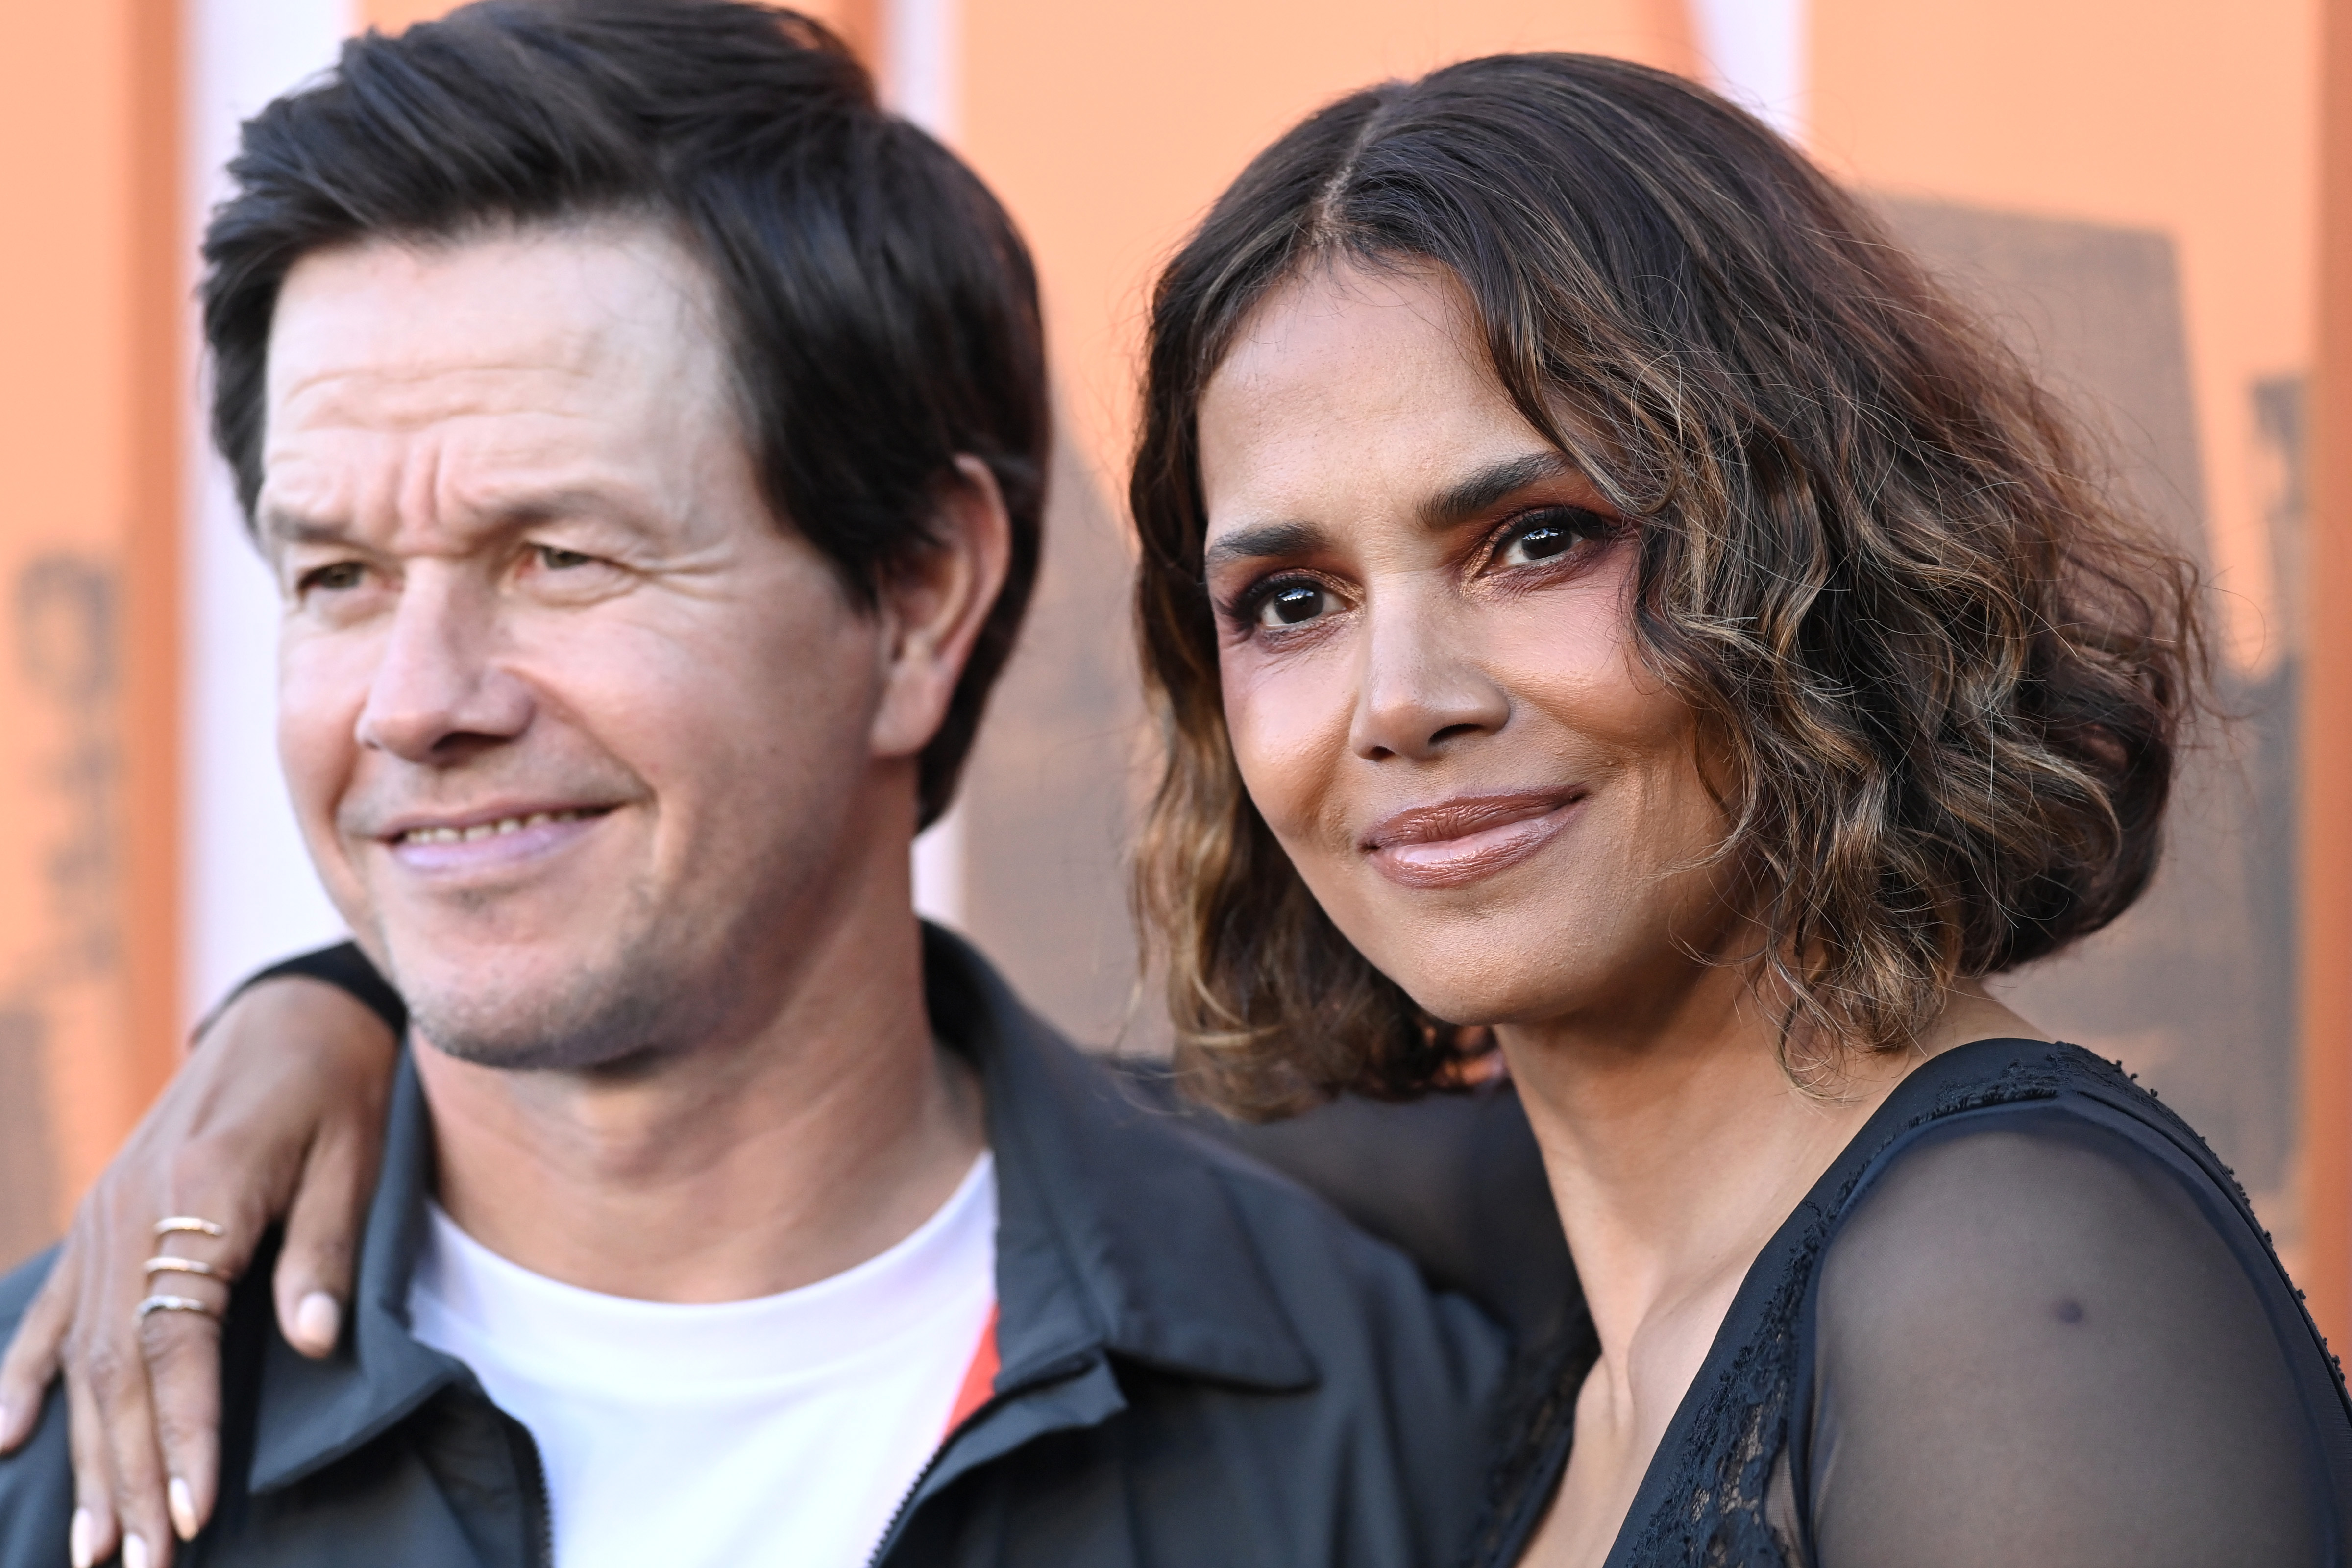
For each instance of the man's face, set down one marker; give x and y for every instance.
(576, 731)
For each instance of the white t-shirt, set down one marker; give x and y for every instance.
(779, 1431)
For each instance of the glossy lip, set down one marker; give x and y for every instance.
(1454, 843)
(495, 850)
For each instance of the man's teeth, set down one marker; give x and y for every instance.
(486, 830)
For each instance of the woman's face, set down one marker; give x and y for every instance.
(1429, 668)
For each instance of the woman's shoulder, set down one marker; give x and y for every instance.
(2038, 1165)
(2012, 1181)
(2039, 1283)
(1993, 1074)
(2019, 1110)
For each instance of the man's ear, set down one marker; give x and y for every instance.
(933, 605)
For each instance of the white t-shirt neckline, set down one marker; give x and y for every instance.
(779, 1430)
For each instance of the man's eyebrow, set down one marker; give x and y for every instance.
(285, 528)
(1266, 539)
(1465, 499)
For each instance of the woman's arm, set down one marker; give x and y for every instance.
(280, 1114)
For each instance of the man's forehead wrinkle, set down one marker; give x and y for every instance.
(406, 395)
(449, 486)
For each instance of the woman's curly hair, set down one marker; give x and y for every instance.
(1944, 674)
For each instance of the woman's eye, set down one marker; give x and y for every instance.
(1548, 537)
(1542, 543)
(1290, 606)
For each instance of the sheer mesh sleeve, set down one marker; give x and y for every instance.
(2037, 1342)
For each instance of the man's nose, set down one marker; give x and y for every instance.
(439, 692)
(1420, 686)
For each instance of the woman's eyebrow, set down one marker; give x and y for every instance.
(1266, 539)
(1465, 499)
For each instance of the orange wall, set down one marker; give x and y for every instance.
(392, 16)
(1108, 128)
(90, 329)
(2327, 717)
(2175, 115)
(853, 19)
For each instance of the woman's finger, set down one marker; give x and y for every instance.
(135, 1466)
(183, 1355)
(183, 1295)
(313, 1282)
(91, 1538)
(109, 1346)
(33, 1352)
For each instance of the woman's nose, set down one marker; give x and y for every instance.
(1421, 689)
(437, 692)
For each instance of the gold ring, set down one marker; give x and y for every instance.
(187, 1223)
(172, 1304)
(167, 1265)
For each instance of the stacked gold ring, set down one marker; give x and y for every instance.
(188, 1223)
(164, 1263)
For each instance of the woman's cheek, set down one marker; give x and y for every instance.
(1287, 719)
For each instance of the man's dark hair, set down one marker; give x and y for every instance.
(881, 307)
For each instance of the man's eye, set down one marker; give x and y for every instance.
(338, 578)
(1290, 606)
(555, 558)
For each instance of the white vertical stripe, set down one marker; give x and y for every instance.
(938, 870)
(923, 71)
(1755, 49)
(250, 894)
(922, 55)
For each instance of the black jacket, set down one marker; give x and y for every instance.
(1202, 1365)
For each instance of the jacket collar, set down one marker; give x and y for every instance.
(312, 1413)
(1117, 1227)
(1117, 1234)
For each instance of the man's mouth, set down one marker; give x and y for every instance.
(488, 842)
(474, 832)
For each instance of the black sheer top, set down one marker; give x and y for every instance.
(2025, 1317)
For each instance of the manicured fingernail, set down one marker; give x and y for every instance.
(317, 1321)
(134, 1552)
(184, 1508)
(79, 1540)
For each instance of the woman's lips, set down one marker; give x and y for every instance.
(1457, 842)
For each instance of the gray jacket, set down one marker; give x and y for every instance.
(1202, 1365)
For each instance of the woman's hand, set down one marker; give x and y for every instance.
(280, 1112)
